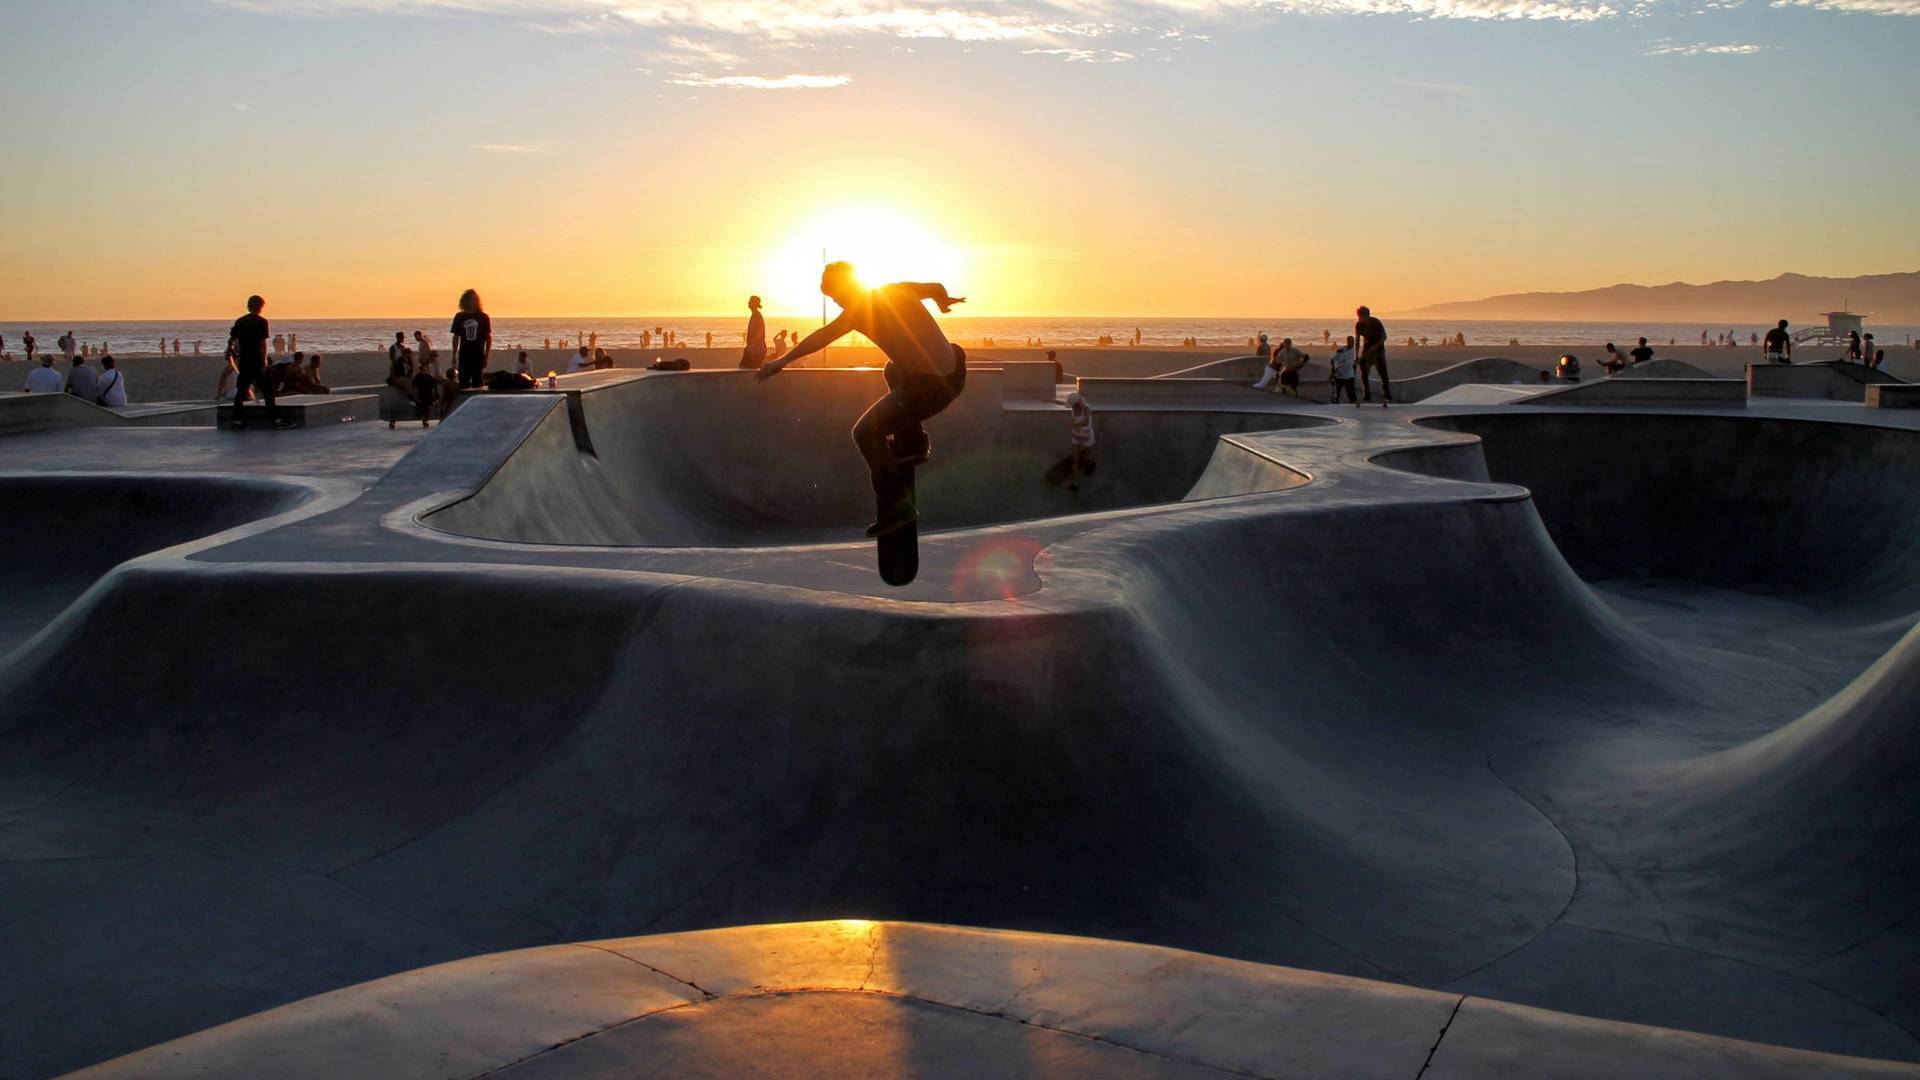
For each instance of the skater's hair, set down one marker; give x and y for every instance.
(838, 274)
(255, 303)
(753, 301)
(1364, 311)
(470, 301)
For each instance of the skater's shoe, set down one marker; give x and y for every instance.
(283, 423)
(892, 522)
(910, 450)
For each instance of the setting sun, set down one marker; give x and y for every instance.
(883, 245)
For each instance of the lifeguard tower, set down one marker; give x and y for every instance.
(1839, 325)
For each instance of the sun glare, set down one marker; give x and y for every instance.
(883, 245)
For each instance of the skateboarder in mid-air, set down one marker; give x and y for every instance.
(925, 373)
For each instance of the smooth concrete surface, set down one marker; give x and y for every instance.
(1619, 390)
(1603, 711)
(1893, 396)
(882, 999)
(1830, 380)
(305, 410)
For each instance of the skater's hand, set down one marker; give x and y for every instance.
(767, 371)
(946, 305)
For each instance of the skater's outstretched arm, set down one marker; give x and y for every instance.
(812, 343)
(936, 292)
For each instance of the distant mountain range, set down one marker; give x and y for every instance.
(1886, 299)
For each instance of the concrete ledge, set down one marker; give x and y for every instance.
(1713, 393)
(833, 998)
(1822, 381)
(1165, 392)
(1894, 396)
(306, 410)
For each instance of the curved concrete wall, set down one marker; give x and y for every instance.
(781, 466)
(1745, 503)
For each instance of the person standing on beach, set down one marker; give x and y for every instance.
(67, 345)
(247, 342)
(1373, 354)
(1778, 346)
(755, 353)
(925, 373)
(27, 343)
(472, 339)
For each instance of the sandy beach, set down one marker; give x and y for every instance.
(193, 378)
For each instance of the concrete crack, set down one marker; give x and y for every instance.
(1444, 1028)
(873, 953)
(689, 983)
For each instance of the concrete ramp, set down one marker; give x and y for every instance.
(1828, 381)
(662, 461)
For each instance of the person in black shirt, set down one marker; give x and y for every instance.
(472, 338)
(1373, 354)
(1777, 345)
(247, 342)
(1642, 354)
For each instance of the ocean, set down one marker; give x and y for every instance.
(135, 338)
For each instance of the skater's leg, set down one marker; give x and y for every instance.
(1386, 387)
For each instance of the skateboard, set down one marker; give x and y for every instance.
(899, 550)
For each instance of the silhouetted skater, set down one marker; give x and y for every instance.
(925, 373)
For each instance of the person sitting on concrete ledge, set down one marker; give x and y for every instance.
(111, 389)
(81, 381)
(1641, 353)
(315, 385)
(1613, 363)
(582, 361)
(45, 380)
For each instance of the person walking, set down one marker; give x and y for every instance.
(1853, 347)
(27, 343)
(67, 344)
(1777, 346)
(1373, 354)
(81, 381)
(755, 352)
(247, 342)
(472, 339)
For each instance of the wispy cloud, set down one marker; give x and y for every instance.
(241, 106)
(1702, 48)
(1084, 56)
(507, 148)
(761, 82)
(1858, 7)
(683, 51)
(1425, 84)
(1043, 23)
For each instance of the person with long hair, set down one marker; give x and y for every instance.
(472, 339)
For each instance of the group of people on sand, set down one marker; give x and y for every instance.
(106, 387)
(1350, 368)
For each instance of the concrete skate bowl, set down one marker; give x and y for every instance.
(1817, 512)
(66, 530)
(713, 459)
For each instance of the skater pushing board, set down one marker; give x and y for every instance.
(925, 373)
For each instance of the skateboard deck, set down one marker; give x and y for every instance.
(899, 551)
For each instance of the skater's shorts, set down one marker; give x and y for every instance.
(1290, 378)
(1373, 357)
(923, 396)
